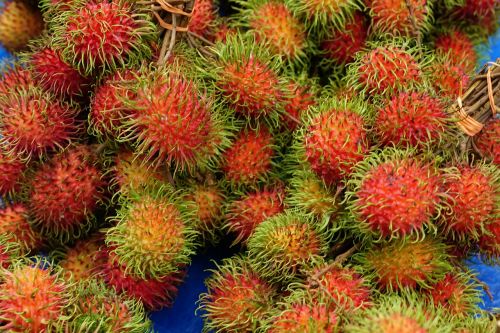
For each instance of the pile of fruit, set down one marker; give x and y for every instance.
(314, 136)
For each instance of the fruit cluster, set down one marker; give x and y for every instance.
(312, 136)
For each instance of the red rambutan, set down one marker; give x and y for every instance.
(302, 96)
(19, 23)
(14, 224)
(448, 79)
(11, 174)
(477, 9)
(487, 141)
(489, 243)
(460, 49)
(394, 16)
(15, 78)
(203, 17)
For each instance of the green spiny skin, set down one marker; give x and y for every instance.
(485, 322)
(99, 309)
(238, 300)
(153, 236)
(412, 75)
(9, 251)
(152, 91)
(320, 15)
(402, 314)
(396, 228)
(405, 263)
(133, 48)
(290, 42)
(284, 245)
(239, 49)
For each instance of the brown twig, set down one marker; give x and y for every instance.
(339, 260)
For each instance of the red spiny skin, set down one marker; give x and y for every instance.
(274, 23)
(471, 201)
(341, 46)
(398, 197)
(489, 243)
(393, 16)
(11, 172)
(247, 213)
(107, 107)
(153, 293)
(30, 297)
(174, 122)
(16, 78)
(300, 100)
(55, 75)
(66, 190)
(346, 287)
(14, 224)
(460, 48)
(250, 87)
(249, 158)
(448, 79)
(334, 142)
(207, 203)
(33, 124)
(302, 318)
(222, 31)
(477, 9)
(487, 141)
(449, 293)
(101, 32)
(202, 18)
(388, 68)
(411, 119)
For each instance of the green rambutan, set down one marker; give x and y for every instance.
(459, 47)
(284, 245)
(471, 200)
(101, 35)
(251, 209)
(274, 25)
(333, 139)
(19, 23)
(65, 192)
(489, 244)
(11, 173)
(250, 157)
(34, 123)
(15, 225)
(405, 263)
(486, 142)
(152, 237)
(237, 299)
(448, 79)
(414, 119)
(393, 193)
(31, 297)
(203, 17)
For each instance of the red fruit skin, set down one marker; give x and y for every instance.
(398, 197)
(221, 31)
(5, 259)
(460, 49)
(448, 79)
(489, 243)
(15, 79)
(66, 190)
(341, 46)
(471, 201)
(247, 213)
(11, 172)
(393, 16)
(477, 9)
(55, 75)
(101, 32)
(154, 294)
(388, 69)
(14, 224)
(334, 142)
(249, 158)
(300, 318)
(202, 17)
(300, 100)
(487, 141)
(250, 87)
(449, 293)
(411, 119)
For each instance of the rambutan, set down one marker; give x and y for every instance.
(471, 201)
(282, 246)
(302, 96)
(460, 49)
(247, 212)
(406, 263)
(31, 297)
(222, 29)
(340, 45)
(237, 299)
(65, 192)
(392, 193)
(250, 158)
(9, 252)
(34, 123)
(448, 79)
(274, 25)
(19, 23)
(14, 79)
(11, 173)
(400, 17)
(15, 225)
(174, 122)
(246, 75)
(102, 35)
(153, 293)
(203, 17)
(456, 294)
(151, 222)
(489, 244)
(475, 10)
(333, 139)
(486, 142)
(411, 119)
